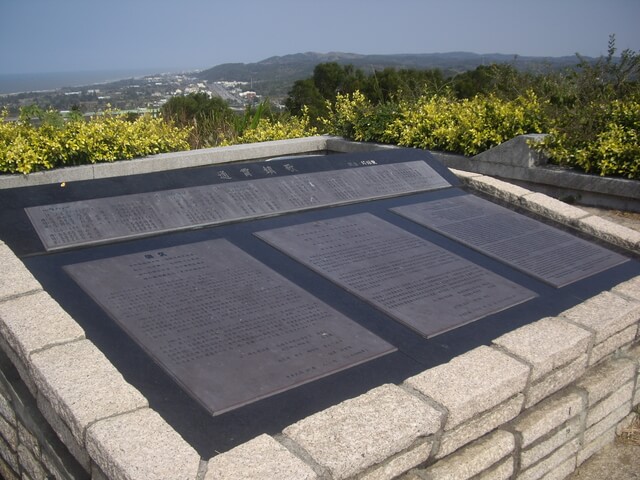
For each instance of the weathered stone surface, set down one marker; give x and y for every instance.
(552, 208)
(6, 410)
(556, 380)
(462, 175)
(611, 232)
(32, 322)
(596, 445)
(82, 385)
(262, 457)
(15, 278)
(544, 447)
(607, 405)
(546, 344)
(613, 343)
(605, 379)
(552, 462)
(630, 288)
(472, 383)
(610, 421)
(606, 314)
(474, 458)
(28, 440)
(29, 463)
(359, 433)
(400, 463)
(141, 446)
(9, 433)
(562, 471)
(547, 416)
(22, 368)
(502, 471)
(473, 429)
(498, 188)
(8, 454)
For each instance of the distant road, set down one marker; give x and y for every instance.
(220, 91)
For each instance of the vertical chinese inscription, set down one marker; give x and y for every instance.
(224, 325)
(549, 254)
(414, 281)
(101, 220)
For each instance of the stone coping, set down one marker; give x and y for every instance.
(110, 429)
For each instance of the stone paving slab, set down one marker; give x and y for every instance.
(141, 446)
(546, 344)
(82, 385)
(262, 457)
(472, 383)
(359, 433)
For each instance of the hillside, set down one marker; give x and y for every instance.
(275, 75)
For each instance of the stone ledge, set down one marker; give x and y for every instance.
(82, 385)
(141, 446)
(629, 289)
(359, 433)
(552, 208)
(34, 322)
(546, 344)
(611, 232)
(262, 457)
(15, 278)
(472, 383)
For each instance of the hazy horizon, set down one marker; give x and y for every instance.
(40, 36)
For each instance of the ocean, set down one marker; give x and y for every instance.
(31, 82)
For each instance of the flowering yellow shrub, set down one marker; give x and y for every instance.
(267, 130)
(25, 148)
(467, 126)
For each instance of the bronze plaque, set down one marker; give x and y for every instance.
(426, 287)
(542, 251)
(103, 220)
(224, 325)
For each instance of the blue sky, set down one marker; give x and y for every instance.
(74, 35)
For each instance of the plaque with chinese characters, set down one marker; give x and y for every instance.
(549, 254)
(224, 325)
(103, 220)
(426, 287)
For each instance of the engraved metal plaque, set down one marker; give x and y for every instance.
(427, 288)
(544, 252)
(102, 220)
(224, 325)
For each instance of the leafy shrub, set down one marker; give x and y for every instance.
(266, 129)
(26, 148)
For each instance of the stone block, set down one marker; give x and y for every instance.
(23, 371)
(364, 431)
(562, 471)
(606, 378)
(33, 322)
(611, 232)
(630, 288)
(596, 445)
(498, 188)
(6, 472)
(9, 433)
(9, 455)
(28, 440)
(6, 409)
(502, 471)
(262, 457)
(63, 432)
(546, 446)
(462, 175)
(547, 416)
(400, 463)
(82, 385)
(551, 462)
(546, 344)
(474, 458)
(141, 446)
(605, 314)
(472, 383)
(613, 343)
(552, 208)
(610, 421)
(15, 278)
(475, 428)
(607, 405)
(29, 463)
(556, 380)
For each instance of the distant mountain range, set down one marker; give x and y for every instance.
(274, 73)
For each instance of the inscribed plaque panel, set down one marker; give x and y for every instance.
(549, 254)
(224, 325)
(101, 220)
(414, 281)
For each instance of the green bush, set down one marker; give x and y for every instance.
(26, 148)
